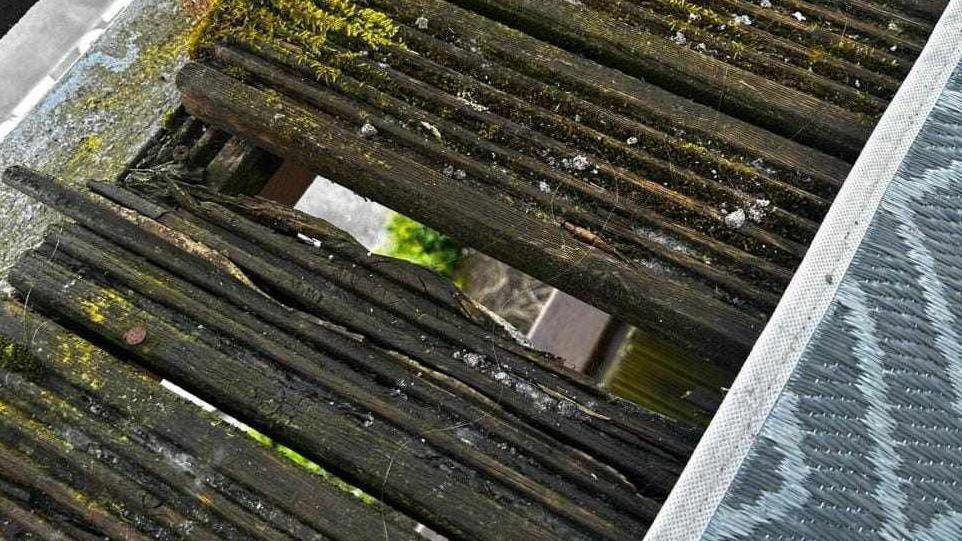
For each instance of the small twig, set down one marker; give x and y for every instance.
(592, 239)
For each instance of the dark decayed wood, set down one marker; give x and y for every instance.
(542, 248)
(426, 404)
(104, 444)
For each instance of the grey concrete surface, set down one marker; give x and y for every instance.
(97, 116)
(42, 41)
(362, 218)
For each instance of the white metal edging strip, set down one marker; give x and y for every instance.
(728, 439)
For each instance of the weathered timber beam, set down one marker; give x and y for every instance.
(931, 9)
(49, 515)
(457, 70)
(288, 184)
(750, 48)
(169, 472)
(542, 249)
(18, 469)
(206, 148)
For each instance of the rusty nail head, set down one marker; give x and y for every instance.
(135, 335)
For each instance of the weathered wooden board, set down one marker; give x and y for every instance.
(91, 445)
(665, 161)
(540, 247)
(786, 99)
(375, 369)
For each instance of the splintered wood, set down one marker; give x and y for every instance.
(377, 371)
(667, 162)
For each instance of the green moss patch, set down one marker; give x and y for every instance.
(305, 25)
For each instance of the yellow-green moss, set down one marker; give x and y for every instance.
(304, 24)
(87, 151)
(16, 358)
(96, 308)
(78, 353)
(272, 98)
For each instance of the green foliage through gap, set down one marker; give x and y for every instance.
(421, 245)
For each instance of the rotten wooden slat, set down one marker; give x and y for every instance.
(555, 456)
(558, 256)
(121, 426)
(299, 410)
(402, 293)
(573, 456)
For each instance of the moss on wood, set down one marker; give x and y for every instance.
(16, 358)
(305, 24)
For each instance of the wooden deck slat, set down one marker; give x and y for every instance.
(558, 69)
(442, 399)
(113, 415)
(782, 109)
(505, 90)
(784, 57)
(476, 218)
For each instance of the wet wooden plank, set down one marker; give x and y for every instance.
(147, 464)
(353, 360)
(554, 254)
